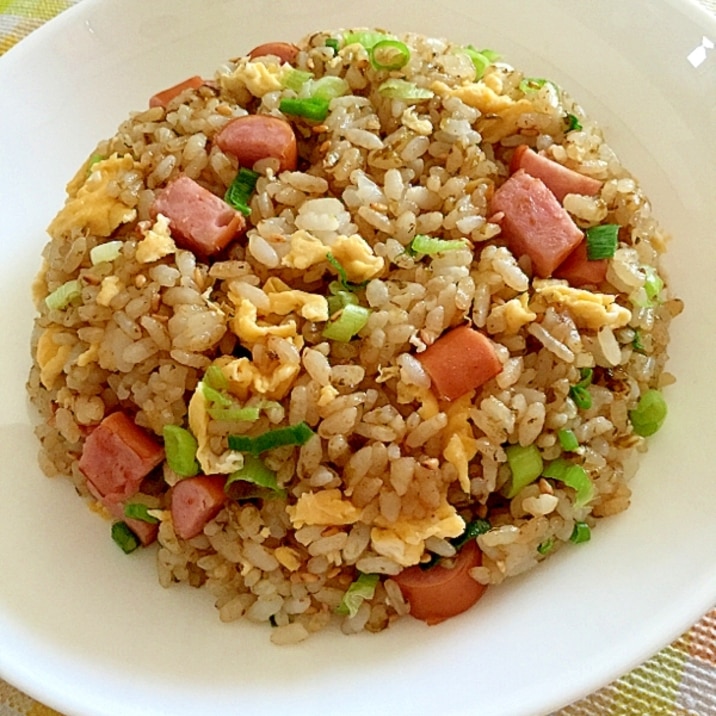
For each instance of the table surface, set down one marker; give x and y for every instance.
(680, 680)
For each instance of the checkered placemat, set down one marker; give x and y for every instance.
(678, 681)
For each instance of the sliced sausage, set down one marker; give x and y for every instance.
(579, 270)
(117, 456)
(560, 180)
(162, 99)
(199, 220)
(195, 501)
(438, 593)
(259, 136)
(285, 51)
(534, 222)
(459, 361)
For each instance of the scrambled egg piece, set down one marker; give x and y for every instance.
(288, 557)
(157, 242)
(259, 78)
(108, 289)
(500, 112)
(326, 507)
(282, 302)
(461, 448)
(589, 310)
(510, 316)
(285, 300)
(211, 463)
(90, 205)
(327, 395)
(404, 541)
(353, 253)
(244, 377)
(356, 256)
(51, 357)
(91, 355)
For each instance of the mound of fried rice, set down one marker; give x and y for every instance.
(389, 485)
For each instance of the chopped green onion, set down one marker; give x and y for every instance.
(333, 44)
(637, 343)
(295, 79)
(94, 159)
(350, 321)
(649, 414)
(546, 547)
(396, 88)
(653, 284)
(139, 511)
(361, 589)
(526, 465)
(481, 59)
(313, 108)
(573, 123)
(215, 397)
(602, 241)
(327, 88)
(422, 244)
(64, 295)
(255, 471)
(580, 533)
(342, 276)
(389, 55)
(339, 300)
(108, 251)
(124, 538)
(473, 529)
(180, 447)
(298, 434)
(580, 392)
(237, 195)
(214, 377)
(574, 476)
(568, 440)
(367, 38)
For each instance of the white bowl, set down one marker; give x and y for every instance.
(89, 631)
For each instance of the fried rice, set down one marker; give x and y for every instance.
(388, 215)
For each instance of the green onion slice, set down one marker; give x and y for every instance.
(350, 321)
(334, 44)
(124, 538)
(580, 392)
(298, 434)
(139, 511)
(216, 397)
(339, 300)
(481, 59)
(422, 244)
(327, 88)
(64, 295)
(546, 547)
(525, 462)
(295, 79)
(580, 533)
(240, 190)
(345, 284)
(574, 476)
(649, 414)
(255, 471)
(396, 88)
(361, 589)
(653, 284)
(389, 55)
(602, 241)
(568, 440)
(573, 123)
(108, 251)
(180, 447)
(533, 84)
(473, 530)
(214, 377)
(313, 108)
